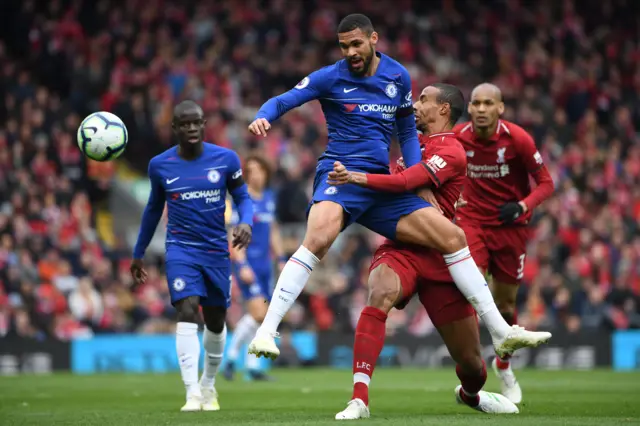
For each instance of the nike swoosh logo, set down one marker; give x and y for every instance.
(170, 181)
(349, 90)
(285, 291)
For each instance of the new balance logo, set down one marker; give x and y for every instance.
(436, 163)
(170, 181)
(349, 90)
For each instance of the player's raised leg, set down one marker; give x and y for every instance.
(428, 228)
(324, 223)
(505, 296)
(385, 290)
(188, 347)
(215, 335)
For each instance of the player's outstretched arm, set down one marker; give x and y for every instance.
(150, 218)
(406, 125)
(310, 88)
(238, 190)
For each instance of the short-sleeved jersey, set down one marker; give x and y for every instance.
(498, 171)
(259, 250)
(195, 192)
(360, 111)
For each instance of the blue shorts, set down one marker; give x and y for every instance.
(378, 211)
(211, 283)
(260, 288)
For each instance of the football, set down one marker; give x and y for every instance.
(102, 136)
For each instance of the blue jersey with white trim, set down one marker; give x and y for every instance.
(195, 193)
(259, 250)
(362, 113)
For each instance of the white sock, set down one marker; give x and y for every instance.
(244, 332)
(214, 349)
(361, 378)
(292, 280)
(472, 284)
(252, 362)
(188, 349)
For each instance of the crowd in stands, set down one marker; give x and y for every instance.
(569, 72)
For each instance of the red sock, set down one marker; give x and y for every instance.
(368, 344)
(471, 383)
(504, 362)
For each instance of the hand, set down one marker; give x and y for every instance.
(510, 212)
(137, 272)
(246, 275)
(259, 127)
(241, 236)
(461, 202)
(340, 176)
(428, 195)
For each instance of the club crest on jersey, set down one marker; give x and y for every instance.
(501, 154)
(179, 284)
(332, 190)
(391, 90)
(303, 83)
(213, 176)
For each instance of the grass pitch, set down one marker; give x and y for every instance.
(314, 396)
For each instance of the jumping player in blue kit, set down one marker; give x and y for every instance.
(193, 179)
(253, 267)
(364, 97)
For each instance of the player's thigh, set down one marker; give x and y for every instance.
(185, 281)
(427, 227)
(258, 295)
(477, 245)
(455, 319)
(332, 209)
(508, 250)
(218, 286)
(390, 211)
(257, 308)
(392, 278)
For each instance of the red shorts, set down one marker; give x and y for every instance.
(423, 272)
(501, 250)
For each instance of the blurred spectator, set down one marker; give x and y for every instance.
(569, 72)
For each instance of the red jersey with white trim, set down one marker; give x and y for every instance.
(498, 172)
(443, 158)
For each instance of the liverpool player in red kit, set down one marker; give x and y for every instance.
(399, 271)
(500, 158)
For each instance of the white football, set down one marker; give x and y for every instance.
(102, 136)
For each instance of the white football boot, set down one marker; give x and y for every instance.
(492, 403)
(508, 383)
(209, 399)
(519, 338)
(194, 403)
(264, 345)
(356, 409)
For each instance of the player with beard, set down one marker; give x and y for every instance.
(399, 271)
(193, 178)
(501, 156)
(364, 97)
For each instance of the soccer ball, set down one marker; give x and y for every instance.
(102, 136)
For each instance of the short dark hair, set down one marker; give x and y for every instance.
(450, 94)
(264, 164)
(356, 21)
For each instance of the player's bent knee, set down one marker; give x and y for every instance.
(323, 227)
(188, 309)
(214, 318)
(257, 308)
(384, 288)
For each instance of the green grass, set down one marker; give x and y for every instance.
(312, 397)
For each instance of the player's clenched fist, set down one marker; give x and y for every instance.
(340, 176)
(241, 236)
(137, 271)
(259, 127)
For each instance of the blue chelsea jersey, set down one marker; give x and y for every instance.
(195, 193)
(259, 250)
(361, 112)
